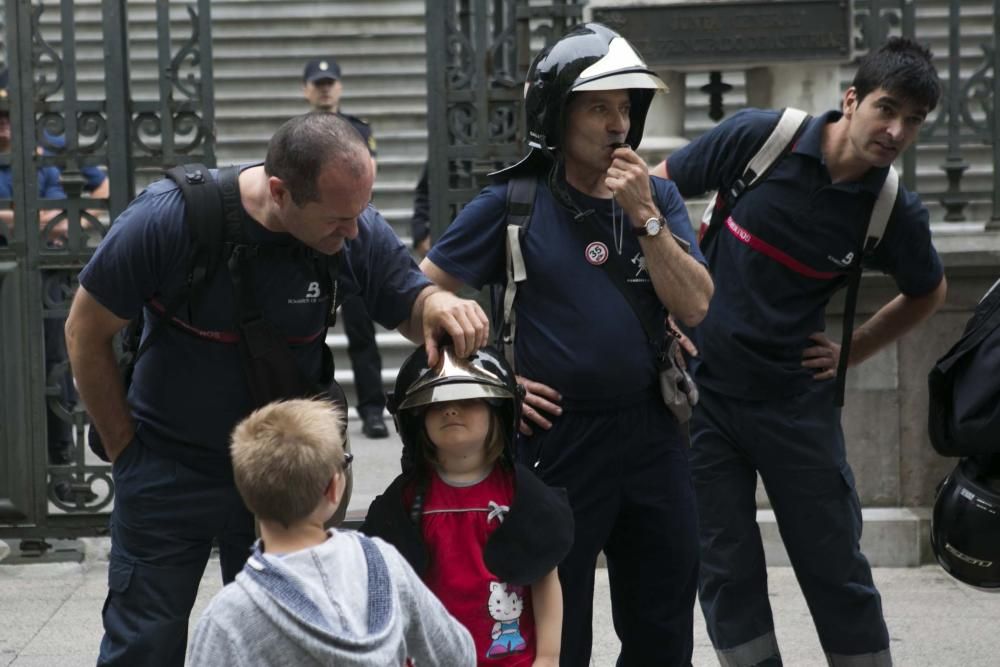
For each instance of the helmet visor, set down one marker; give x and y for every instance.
(454, 379)
(455, 391)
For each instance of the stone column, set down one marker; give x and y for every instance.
(664, 129)
(814, 87)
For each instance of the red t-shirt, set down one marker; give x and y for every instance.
(457, 521)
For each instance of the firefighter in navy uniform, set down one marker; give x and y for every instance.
(600, 427)
(322, 87)
(766, 372)
(220, 358)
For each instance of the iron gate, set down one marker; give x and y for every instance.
(479, 50)
(71, 107)
(478, 53)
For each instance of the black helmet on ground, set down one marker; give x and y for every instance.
(591, 56)
(965, 526)
(485, 375)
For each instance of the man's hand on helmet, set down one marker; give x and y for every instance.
(461, 319)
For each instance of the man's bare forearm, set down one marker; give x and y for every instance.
(413, 328)
(682, 284)
(893, 320)
(95, 370)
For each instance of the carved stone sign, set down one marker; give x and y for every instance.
(691, 34)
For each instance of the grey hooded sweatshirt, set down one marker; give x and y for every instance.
(351, 600)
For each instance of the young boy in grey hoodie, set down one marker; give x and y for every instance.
(309, 595)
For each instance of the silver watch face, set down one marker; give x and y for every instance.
(653, 226)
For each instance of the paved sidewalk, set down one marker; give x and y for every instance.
(50, 615)
(50, 612)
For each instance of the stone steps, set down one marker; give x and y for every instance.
(892, 537)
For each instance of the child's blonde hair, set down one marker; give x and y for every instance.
(284, 455)
(494, 437)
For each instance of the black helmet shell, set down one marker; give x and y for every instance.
(486, 375)
(965, 526)
(589, 57)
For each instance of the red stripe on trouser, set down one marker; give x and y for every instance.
(779, 256)
(225, 336)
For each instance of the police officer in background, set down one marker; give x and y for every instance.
(322, 87)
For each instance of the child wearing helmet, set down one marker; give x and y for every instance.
(459, 510)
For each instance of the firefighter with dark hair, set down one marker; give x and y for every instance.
(767, 372)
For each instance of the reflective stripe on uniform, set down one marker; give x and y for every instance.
(749, 653)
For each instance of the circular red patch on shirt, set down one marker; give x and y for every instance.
(596, 253)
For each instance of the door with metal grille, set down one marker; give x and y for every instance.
(98, 96)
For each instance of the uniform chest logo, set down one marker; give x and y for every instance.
(641, 272)
(312, 295)
(596, 253)
(842, 263)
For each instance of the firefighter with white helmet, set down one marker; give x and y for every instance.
(604, 252)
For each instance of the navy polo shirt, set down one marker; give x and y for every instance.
(784, 250)
(575, 331)
(93, 176)
(188, 390)
(364, 129)
(49, 186)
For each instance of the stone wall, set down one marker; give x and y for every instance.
(885, 415)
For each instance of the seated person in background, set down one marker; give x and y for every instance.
(309, 595)
(95, 179)
(59, 432)
(49, 186)
(484, 532)
(49, 177)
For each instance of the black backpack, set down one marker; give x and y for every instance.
(963, 418)
(214, 218)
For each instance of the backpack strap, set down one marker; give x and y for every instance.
(882, 211)
(652, 316)
(204, 205)
(878, 221)
(520, 204)
(779, 142)
(328, 269)
(204, 208)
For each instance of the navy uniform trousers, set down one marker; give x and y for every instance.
(363, 351)
(165, 518)
(624, 466)
(797, 446)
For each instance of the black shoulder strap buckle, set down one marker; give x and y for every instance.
(738, 187)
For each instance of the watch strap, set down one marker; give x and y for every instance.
(644, 230)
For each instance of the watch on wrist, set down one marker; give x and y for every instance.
(651, 227)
